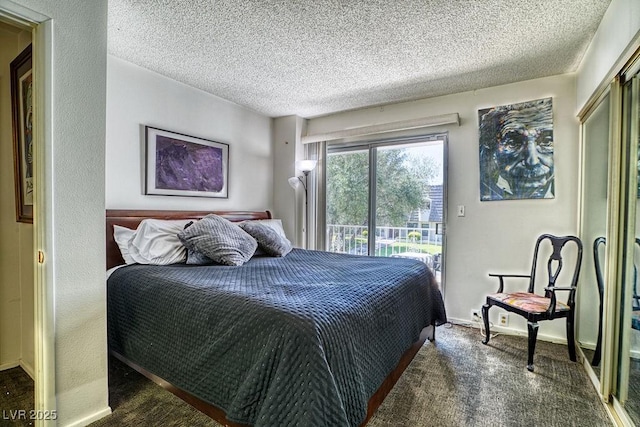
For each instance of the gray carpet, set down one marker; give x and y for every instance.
(633, 402)
(456, 381)
(16, 394)
(461, 382)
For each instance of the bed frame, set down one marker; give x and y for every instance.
(131, 219)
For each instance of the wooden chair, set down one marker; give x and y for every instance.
(536, 307)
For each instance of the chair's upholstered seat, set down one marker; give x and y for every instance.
(531, 303)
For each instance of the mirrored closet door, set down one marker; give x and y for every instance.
(608, 324)
(626, 382)
(595, 149)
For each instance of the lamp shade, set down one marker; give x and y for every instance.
(306, 165)
(294, 182)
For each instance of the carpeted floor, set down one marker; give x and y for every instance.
(456, 381)
(16, 395)
(461, 382)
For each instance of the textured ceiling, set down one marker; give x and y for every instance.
(315, 57)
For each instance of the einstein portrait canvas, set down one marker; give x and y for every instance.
(516, 151)
(182, 165)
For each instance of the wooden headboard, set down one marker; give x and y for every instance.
(131, 219)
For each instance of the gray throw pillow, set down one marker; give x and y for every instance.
(269, 240)
(219, 239)
(197, 258)
(276, 224)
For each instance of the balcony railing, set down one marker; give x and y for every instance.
(423, 244)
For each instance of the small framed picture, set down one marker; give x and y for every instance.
(22, 111)
(183, 165)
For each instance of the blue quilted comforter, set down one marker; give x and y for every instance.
(302, 340)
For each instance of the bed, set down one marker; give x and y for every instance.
(312, 339)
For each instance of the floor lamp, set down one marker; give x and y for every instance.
(305, 166)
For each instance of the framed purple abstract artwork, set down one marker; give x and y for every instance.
(182, 165)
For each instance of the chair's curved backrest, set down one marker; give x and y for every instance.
(598, 267)
(636, 298)
(555, 262)
(596, 262)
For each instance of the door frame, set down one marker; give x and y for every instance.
(42, 30)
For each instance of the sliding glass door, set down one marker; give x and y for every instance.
(387, 198)
(348, 201)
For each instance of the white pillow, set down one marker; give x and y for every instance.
(156, 242)
(122, 236)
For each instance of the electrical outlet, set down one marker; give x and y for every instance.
(504, 319)
(476, 316)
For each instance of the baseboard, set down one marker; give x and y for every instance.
(586, 364)
(634, 354)
(28, 369)
(22, 364)
(588, 346)
(9, 365)
(91, 418)
(508, 331)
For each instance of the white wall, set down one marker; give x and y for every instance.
(618, 28)
(73, 216)
(138, 97)
(494, 236)
(16, 239)
(288, 203)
